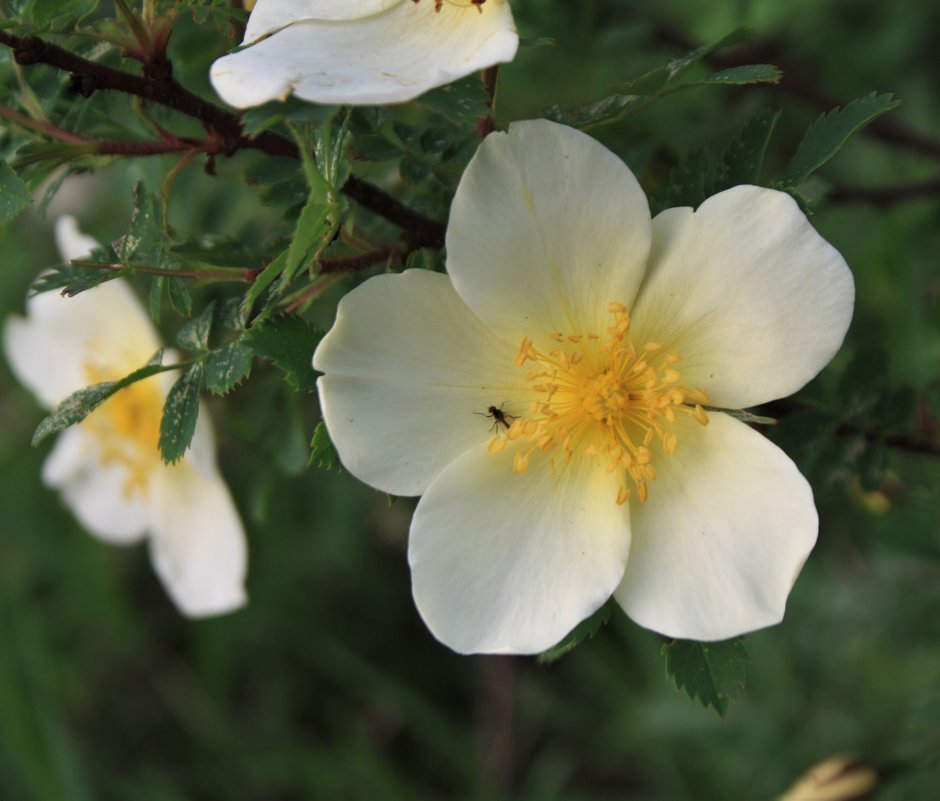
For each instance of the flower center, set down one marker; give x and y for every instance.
(602, 398)
(127, 427)
(439, 4)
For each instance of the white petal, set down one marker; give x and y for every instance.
(507, 563)
(747, 293)
(410, 374)
(201, 452)
(97, 494)
(546, 229)
(198, 545)
(718, 545)
(65, 344)
(71, 242)
(271, 15)
(389, 57)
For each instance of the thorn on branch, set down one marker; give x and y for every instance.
(30, 50)
(83, 84)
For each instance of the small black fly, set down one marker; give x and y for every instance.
(500, 418)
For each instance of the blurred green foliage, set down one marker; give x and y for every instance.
(328, 685)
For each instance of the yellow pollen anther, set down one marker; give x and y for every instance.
(603, 399)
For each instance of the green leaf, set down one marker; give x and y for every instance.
(73, 280)
(311, 234)
(46, 12)
(606, 110)
(260, 118)
(14, 196)
(180, 411)
(289, 342)
(180, 299)
(145, 239)
(830, 132)
(741, 76)
(663, 81)
(656, 80)
(322, 452)
(227, 366)
(155, 301)
(691, 180)
(77, 406)
(585, 630)
(462, 102)
(712, 673)
(194, 335)
(743, 158)
(264, 279)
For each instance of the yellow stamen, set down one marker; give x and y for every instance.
(602, 399)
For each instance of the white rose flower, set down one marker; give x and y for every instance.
(108, 468)
(362, 52)
(589, 338)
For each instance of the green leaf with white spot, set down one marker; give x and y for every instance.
(289, 342)
(741, 76)
(194, 335)
(77, 406)
(180, 412)
(180, 299)
(742, 160)
(145, 239)
(228, 366)
(462, 102)
(607, 109)
(712, 673)
(830, 132)
(14, 196)
(73, 279)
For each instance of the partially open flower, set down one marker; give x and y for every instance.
(108, 468)
(362, 51)
(554, 398)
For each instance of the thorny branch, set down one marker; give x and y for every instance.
(921, 442)
(884, 195)
(162, 89)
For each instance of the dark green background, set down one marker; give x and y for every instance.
(328, 685)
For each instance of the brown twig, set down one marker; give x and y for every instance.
(486, 125)
(41, 126)
(332, 268)
(921, 442)
(495, 703)
(420, 230)
(884, 195)
(88, 77)
(903, 442)
(350, 264)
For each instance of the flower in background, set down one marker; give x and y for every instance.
(557, 399)
(362, 52)
(108, 468)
